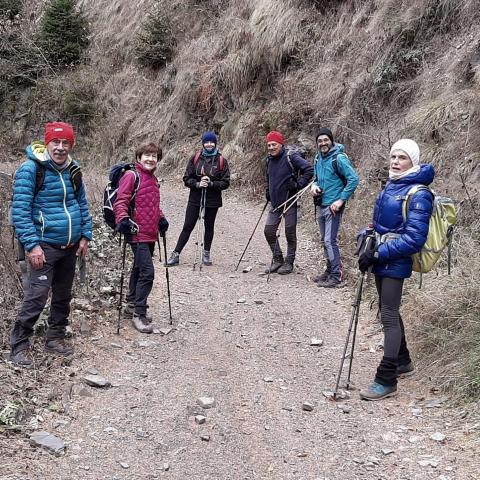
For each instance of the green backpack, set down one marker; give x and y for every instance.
(440, 230)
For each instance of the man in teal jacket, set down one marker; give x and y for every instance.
(52, 222)
(335, 182)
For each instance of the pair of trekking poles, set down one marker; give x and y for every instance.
(368, 244)
(200, 231)
(122, 276)
(285, 206)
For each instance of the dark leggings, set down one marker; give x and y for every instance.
(191, 217)
(395, 351)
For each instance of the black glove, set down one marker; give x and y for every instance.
(267, 195)
(127, 226)
(366, 259)
(163, 226)
(292, 185)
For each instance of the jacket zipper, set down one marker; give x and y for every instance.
(42, 220)
(65, 208)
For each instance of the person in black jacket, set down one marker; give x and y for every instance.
(287, 172)
(207, 174)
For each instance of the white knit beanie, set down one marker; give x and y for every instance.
(410, 147)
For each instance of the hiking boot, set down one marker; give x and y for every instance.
(322, 277)
(276, 264)
(174, 259)
(206, 260)
(59, 346)
(129, 311)
(376, 391)
(330, 282)
(141, 323)
(405, 370)
(285, 269)
(22, 358)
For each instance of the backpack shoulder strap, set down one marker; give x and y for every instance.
(337, 170)
(39, 177)
(290, 164)
(196, 158)
(221, 163)
(410, 194)
(76, 176)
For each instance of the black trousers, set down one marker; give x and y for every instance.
(191, 217)
(141, 276)
(395, 351)
(56, 274)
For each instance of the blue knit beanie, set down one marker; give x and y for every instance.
(209, 137)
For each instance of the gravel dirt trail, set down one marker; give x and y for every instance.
(247, 343)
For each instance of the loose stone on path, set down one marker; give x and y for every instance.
(206, 402)
(96, 381)
(48, 441)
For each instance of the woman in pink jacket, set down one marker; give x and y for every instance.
(139, 217)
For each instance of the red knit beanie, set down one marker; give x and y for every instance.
(59, 130)
(274, 136)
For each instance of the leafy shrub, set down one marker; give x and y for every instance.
(10, 8)
(400, 65)
(155, 41)
(79, 104)
(63, 35)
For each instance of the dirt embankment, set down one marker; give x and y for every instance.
(247, 344)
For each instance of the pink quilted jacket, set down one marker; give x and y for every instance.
(147, 212)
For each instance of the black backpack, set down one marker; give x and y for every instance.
(111, 190)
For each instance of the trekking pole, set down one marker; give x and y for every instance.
(159, 250)
(293, 199)
(124, 252)
(167, 276)
(369, 243)
(277, 242)
(199, 242)
(251, 236)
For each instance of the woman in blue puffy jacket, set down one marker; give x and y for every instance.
(396, 241)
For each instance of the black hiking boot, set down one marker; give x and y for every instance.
(285, 269)
(141, 323)
(276, 264)
(206, 260)
(22, 358)
(330, 282)
(322, 277)
(59, 346)
(405, 370)
(174, 259)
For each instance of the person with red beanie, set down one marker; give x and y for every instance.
(53, 226)
(287, 172)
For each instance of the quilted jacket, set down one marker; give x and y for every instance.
(147, 212)
(394, 256)
(56, 215)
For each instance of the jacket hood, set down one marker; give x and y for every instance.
(37, 152)
(425, 176)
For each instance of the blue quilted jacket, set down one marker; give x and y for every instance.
(56, 215)
(395, 255)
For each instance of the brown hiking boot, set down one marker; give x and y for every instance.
(141, 323)
(22, 358)
(59, 346)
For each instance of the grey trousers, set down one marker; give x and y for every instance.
(329, 225)
(56, 274)
(271, 226)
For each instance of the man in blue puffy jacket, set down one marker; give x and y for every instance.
(335, 182)
(52, 222)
